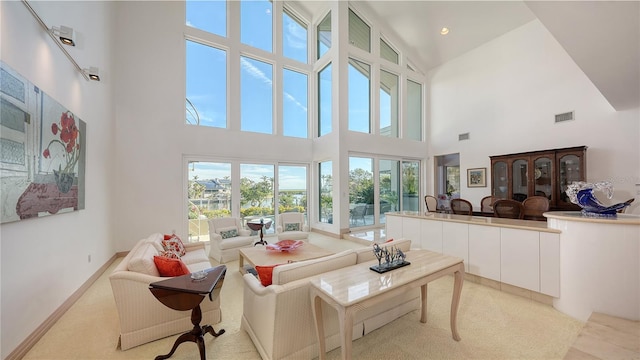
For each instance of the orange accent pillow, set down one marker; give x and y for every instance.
(170, 267)
(390, 240)
(265, 273)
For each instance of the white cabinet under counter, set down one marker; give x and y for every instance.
(484, 251)
(431, 235)
(455, 241)
(520, 258)
(503, 250)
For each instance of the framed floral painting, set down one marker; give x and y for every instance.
(42, 162)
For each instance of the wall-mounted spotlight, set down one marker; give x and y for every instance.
(93, 73)
(65, 34)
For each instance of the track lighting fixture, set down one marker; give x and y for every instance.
(93, 73)
(61, 36)
(66, 35)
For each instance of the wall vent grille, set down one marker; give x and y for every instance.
(564, 117)
(464, 136)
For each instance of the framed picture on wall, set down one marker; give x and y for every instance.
(477, 177)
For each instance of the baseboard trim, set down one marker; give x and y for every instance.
(21, 350)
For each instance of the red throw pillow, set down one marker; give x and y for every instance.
(390, 240)
(173, 243)
(265, 273)
(170, 267)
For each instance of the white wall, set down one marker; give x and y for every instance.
(506, 93)
(45, 260)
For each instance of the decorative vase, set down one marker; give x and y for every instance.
(64, 180)
(581, 193)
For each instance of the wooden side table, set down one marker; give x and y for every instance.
(183, 293)
(259, 224)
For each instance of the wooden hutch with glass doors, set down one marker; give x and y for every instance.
(543, 173)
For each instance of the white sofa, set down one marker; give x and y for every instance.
(279, 320)
(284, 222)
(225, 249)
(142, 317)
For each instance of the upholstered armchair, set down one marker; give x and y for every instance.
(291, 226)
(226, 236)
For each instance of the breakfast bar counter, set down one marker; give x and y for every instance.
(479, 220)
(584, 264)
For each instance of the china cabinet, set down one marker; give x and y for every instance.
(541, 173)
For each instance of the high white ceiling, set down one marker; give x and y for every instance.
(602, 37)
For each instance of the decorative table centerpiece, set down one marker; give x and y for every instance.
(285, 245)
(581, 193)
(393, 258)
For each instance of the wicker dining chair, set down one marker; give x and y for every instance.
(461, 207)
(431, 202)
(486, 204)
(505, 208)
(534, 207)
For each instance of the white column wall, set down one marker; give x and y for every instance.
(505, 94)
(45, 260)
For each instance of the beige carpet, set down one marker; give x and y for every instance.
(492, 324)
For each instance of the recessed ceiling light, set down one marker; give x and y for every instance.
(444, 31)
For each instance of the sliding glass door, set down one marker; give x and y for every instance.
(209, 195)
(240, 189)
(395, 186)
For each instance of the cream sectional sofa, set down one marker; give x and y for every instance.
(279, 320)
(142, 317)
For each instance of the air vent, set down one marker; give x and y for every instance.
(464, 136)
(564, 116)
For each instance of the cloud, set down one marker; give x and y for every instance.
(295, 101)
(255, 72)
(296, 36)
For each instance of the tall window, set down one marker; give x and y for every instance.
(452, 180)
(256, 193)
(410, 185)
(388, 104)
(324, 101)
(323, 33)
(206, 85)
(359, 32)
(325, 181)
(294, 104)
(256, 96)
(209, 16)
(294, 37)
(292, 188)
(389, 179)
(387, 52)
(361, 191)
(413, 128)
(256, 24)
(359, 96)
(209, 196)
(209, 76)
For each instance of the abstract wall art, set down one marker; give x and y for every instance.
(42, 152)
